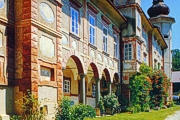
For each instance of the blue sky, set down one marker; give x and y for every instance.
(174, 6)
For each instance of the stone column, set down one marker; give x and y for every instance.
(118, 90)
(83, 89)
(109, 87)
(97, 90)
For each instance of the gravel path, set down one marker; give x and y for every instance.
(175, 116)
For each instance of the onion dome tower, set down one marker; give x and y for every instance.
(158, 8)
(159, 16)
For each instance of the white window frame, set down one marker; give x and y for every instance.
(67, 87)
(145, 37)
(93, 27)
(138, 52)
(93, 90)
(105, 43)
(127, 50)
(115, 45)
(74, 20)
(145, 59)
(139, 21)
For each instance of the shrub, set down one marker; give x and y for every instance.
(81, 111)
(100, 104)
(110, 101)
(63, 111)
(30, 108)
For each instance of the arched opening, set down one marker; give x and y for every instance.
(72, 77)
(105, 83)
(115, 84)
(91, 83)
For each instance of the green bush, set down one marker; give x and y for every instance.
(110, 101)
(100, 105)
(30, 108)
(81, 111)
(63, 111)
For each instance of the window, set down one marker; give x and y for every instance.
(93, 90)
(74, 21)
(46, 74)
(145, 36)
(67, 86)
(115, 46)
(105, 35)
(145, 59)
(91, 29)
(139, 21)
(139, 52)
(128, 51)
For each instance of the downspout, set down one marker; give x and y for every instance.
(121, 55)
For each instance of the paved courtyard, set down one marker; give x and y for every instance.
(175, 116)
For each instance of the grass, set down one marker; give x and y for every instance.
(153, 115)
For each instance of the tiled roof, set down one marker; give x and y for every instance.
(175, 76)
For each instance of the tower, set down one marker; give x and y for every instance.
(159, 16)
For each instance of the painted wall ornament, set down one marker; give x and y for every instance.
(46, 12)
(1, 4)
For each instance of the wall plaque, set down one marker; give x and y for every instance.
(46, 12)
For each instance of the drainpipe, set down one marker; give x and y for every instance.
(121, 55)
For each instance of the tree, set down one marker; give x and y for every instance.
(176, 60)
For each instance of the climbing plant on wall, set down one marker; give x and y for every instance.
(148, 88)
(140, 86)
(159, 92)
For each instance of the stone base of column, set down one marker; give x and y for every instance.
(4, 117)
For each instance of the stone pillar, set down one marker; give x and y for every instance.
(109, 87)
(97, 90)
(83, 89)
(118, 91)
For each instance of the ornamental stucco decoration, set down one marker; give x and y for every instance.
(46, 12)
(47, 47)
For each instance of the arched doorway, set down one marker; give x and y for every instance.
(91, 82)
(116, 85)
(105, 87)
(74, 80)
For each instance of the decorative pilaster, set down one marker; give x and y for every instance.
(59, 54)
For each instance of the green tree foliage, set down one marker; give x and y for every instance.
(148, 88)
(176, 60)
(160, 85)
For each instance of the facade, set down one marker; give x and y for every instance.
(76, 48)
(141, 42)
(90, 49)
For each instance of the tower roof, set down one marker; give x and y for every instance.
(158, 8)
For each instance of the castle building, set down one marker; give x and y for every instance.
(76, 48)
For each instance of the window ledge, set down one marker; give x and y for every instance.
(92, 46)
(138, 28)
(116, 59)
(105, 53)
(138, 61)
(74, 36)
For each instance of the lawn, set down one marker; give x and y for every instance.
(153, 115)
